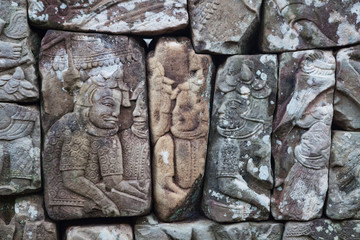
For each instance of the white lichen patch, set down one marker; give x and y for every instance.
(268, 58)
(347, 33)
(356, 10)
(264, 173)
(165, 156)
(288, 41)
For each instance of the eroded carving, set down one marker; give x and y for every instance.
(110, 232)
(18, 80)
(179, 102)
(103, 144)
(295, 25)
(116, 16)
(302, 135)
(239, 179)
(19, 149)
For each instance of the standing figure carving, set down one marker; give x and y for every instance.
(239, 177)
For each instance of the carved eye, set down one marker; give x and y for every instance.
(108, 103)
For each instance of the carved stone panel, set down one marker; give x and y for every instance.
(145, 17)
(322, 229)
(18, 77)
(344, 176)
(212, 32)
(199, 229)
(239, 176)
(108, 232)
(302, 136)
(347, 98)
(295, 25)
(96, 154)
(19, 149)
(23, 218)
(179, 93)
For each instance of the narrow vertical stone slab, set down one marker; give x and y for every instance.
(347, 99)
(149, 228)
(344, 190)
(239, 176)
(179, 93)
(19, 149)
(302, 137)
(295, 25)
(96, 154)
(18, 77)
(145, 17)
(108, 232)
(212, 32)
(322, 229)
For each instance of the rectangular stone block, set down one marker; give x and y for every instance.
(346, 98)
(18, 76)
(149, 228)
(19, 149)
(179, 93)
(96, 154)
(302, 137)
(214, 32)
(239, 176)
(108, 232)
(344, 190)
(295, 25)
(145, 17)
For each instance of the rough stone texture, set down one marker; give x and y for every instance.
(146, 17)
(96, 154)
(344, 176)
(149, 228)
(108, 232)
(347, 98)
(179, 93)
(19, 149)
(239, 176)
(18, 77)
(302, 137)
(322, 229)
(219, 33)
(24, 219)
(295, 25)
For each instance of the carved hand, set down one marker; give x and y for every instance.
(109, 208)
(10, 50)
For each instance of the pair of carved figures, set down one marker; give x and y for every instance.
(91, 167)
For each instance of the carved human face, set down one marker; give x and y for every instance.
(106, 108)
(139, 113)
(230, 111)
(315, 140)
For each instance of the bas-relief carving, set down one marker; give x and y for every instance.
(108, 232)
(115, 16)
(19, 149)
(18, 80)
(322, 229)
(207, 18)
(239, 176)
(201, 228)
(302, 134)
(344, 178)
(346, 99)
(179, 82)
(295, 25)
(103, 144)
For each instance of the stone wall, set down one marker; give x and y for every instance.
(175, 119)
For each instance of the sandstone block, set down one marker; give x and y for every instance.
(108, 232)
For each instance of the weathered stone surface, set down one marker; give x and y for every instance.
(24, 219)
(344, 189)
(347, 98)
(97, 156)
(219, 33)
(302, 137)
(149, 228)
(108, 232)
(179, 92)
(239, 176)
(146, 17)
(18, 78)
(19, 149)
(295, 25)
(322, 229)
